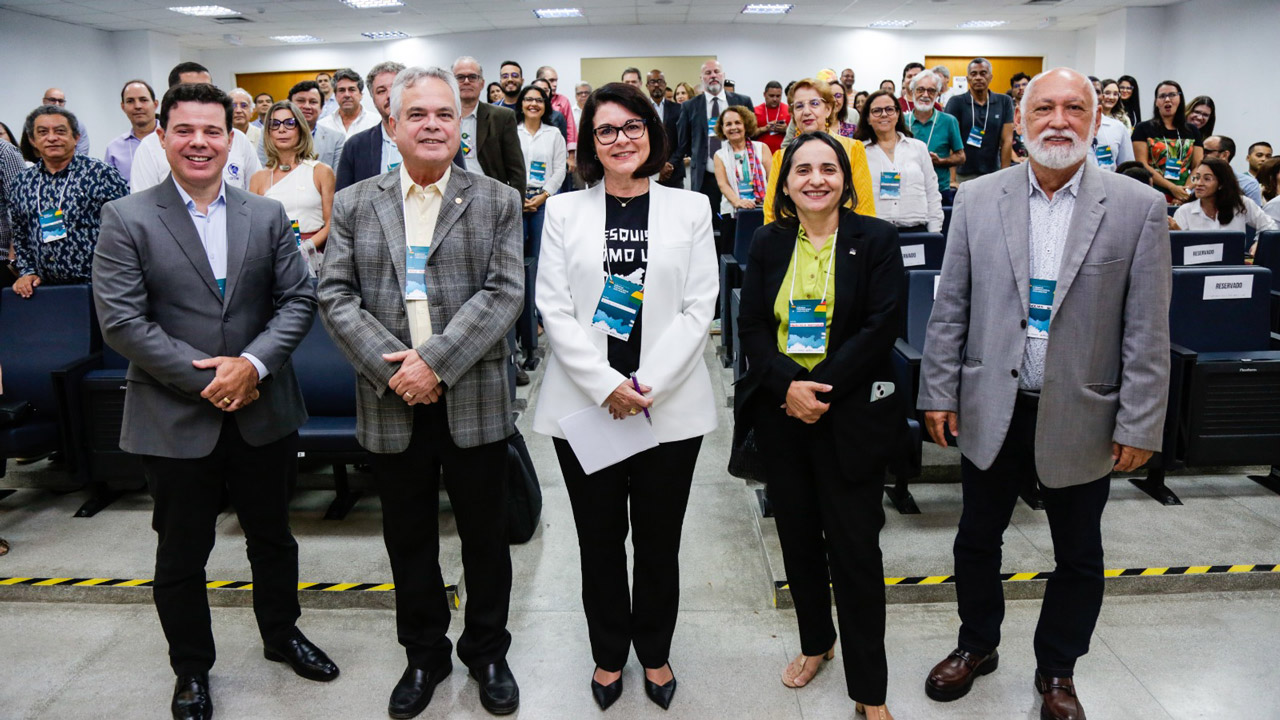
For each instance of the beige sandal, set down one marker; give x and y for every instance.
(4, 547)
(792, 675)
(875, 712)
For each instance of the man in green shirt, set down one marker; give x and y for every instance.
(938, 130)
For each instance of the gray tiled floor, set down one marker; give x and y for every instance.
(1207, 655)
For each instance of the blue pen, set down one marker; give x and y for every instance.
(636, 384)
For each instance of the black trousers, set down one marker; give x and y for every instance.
(655, 483)
(409, 488)
(1073, 594)
(189, 494)
(829, 521)
(712, 190)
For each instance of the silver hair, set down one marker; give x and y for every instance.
(928, 75)
(241, 91)
(468, 58)
(382, 67)
(410, 77)
(583, 85)
(942, 71)
(978, 60)
(1093, 92)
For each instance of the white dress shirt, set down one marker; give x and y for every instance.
(1114, 135)
(711, 118)
(548, 147)
(1191, 217)
(919, 202)
(151, 165)
(211, 226)
(1047, 224)
(363, 121)
(472, 159)
(390, 152)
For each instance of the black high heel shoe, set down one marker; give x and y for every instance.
(661, 694)
(606, 695)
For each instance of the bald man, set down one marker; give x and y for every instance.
(55, 96)
(1090, 266)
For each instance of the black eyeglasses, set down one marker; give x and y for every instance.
(467, 77)
(287, 122)
(608, 134)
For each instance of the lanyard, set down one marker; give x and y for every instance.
(973, 114)
(933, 124)
(776, 115)
(826, 279)
(62, 194)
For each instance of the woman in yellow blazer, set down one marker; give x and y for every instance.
(812, 109)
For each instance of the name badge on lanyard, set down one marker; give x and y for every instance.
(1041, 302)
(618, 308)
(415, 272)
(976, 134)
(1172, 167)
(807, 327)
(52, 225)
(537, 171)
(1106, 158)
(466, 144)
(297, 232)
(746, 190)
(711, 126)
(890, 185)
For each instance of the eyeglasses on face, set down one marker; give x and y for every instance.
(1168, 96)
(290, 123)
(882, 111)
(467, 77)
(510, 76)
(55, 101)
(812, 103)
(608, 134)
(924, 91)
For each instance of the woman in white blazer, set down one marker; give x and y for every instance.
(660, 239)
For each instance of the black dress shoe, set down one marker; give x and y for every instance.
(305, 658)
(413, 693)
(606, 695)
(522, 377)
(191, 699)
(660, 694)
(499, 693)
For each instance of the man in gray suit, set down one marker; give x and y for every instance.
(200, 285)
(1047, 357)
(423, 277)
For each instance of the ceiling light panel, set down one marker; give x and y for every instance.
(295, 39)
(385, 35)
(557, 13)
(367, 4)
(892, 24)
(204, 10)
(980, 24)
(758, 9)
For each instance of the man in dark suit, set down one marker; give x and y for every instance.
(698, 140)
(201, 286)
(373, 151)
(671, 175)
(489, 142)
(421, 282)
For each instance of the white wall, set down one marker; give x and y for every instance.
(751, 54)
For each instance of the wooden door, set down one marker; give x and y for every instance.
(1002, 68)
(275, 83)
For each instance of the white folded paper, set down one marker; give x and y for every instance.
(598, 440)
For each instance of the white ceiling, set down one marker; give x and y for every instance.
(335, 22)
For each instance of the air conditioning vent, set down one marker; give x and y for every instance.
(232, 20)
(1034, 3)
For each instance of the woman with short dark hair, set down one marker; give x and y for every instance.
(819, 315)
(1202, 114)
(626, 334)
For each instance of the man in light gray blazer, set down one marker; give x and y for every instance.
(429, 349)
(1047, 357)
(201, 286)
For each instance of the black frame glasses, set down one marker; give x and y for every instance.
(634, 129)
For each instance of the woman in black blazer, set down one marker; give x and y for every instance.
(825, 413)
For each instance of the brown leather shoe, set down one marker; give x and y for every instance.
(1060, 702)
(952, 678)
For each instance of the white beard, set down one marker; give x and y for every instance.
(1059, 158)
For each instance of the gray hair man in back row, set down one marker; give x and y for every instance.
(1046, 357)
(428, 342)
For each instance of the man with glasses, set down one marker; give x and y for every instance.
(489, 144)
(373, 151)
(986, 124)
(698, 140)
(511, 78)
(55, 96)
(936, 129)
(241, 111)
(1224, 148)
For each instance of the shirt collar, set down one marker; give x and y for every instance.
(75, 160)
(191, 204)
(407, 184)
(385, 137)
(1072, 186)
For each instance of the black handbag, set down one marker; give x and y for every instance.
(744, 458)
(14, 413)
(524, 494)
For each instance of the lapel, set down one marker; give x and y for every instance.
(482, 126)
(237, 238)
(1085, 220)
(177, 220)
(1015, 219)
(388, 204)
(453, 204)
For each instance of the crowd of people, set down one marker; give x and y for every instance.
(412, 235)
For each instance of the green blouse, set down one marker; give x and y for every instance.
(808, 268)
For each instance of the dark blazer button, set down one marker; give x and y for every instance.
(1024, 324)
(226, 318)
(1013, 373)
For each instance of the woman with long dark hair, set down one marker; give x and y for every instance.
(1130, 98)
(1202, 114)
(818, 319)
(1218, 203)
(1169, 147)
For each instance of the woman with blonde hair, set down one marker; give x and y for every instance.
(294, 177)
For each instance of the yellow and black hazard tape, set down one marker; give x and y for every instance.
(1045, 575)
(451, 590)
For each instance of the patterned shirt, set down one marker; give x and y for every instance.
(1047, 228)
(79, 190)
(11, 166)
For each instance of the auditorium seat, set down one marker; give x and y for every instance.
(1224, 379)
(38, 337)
(1267, 255)
(920, 289)
(329, 391)
(730, 280)
(1197, 247)
(748, 221)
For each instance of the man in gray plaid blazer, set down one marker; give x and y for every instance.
(422, 279)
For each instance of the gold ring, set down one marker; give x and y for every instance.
(226, 401)
(633, 411)
(408, 396)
